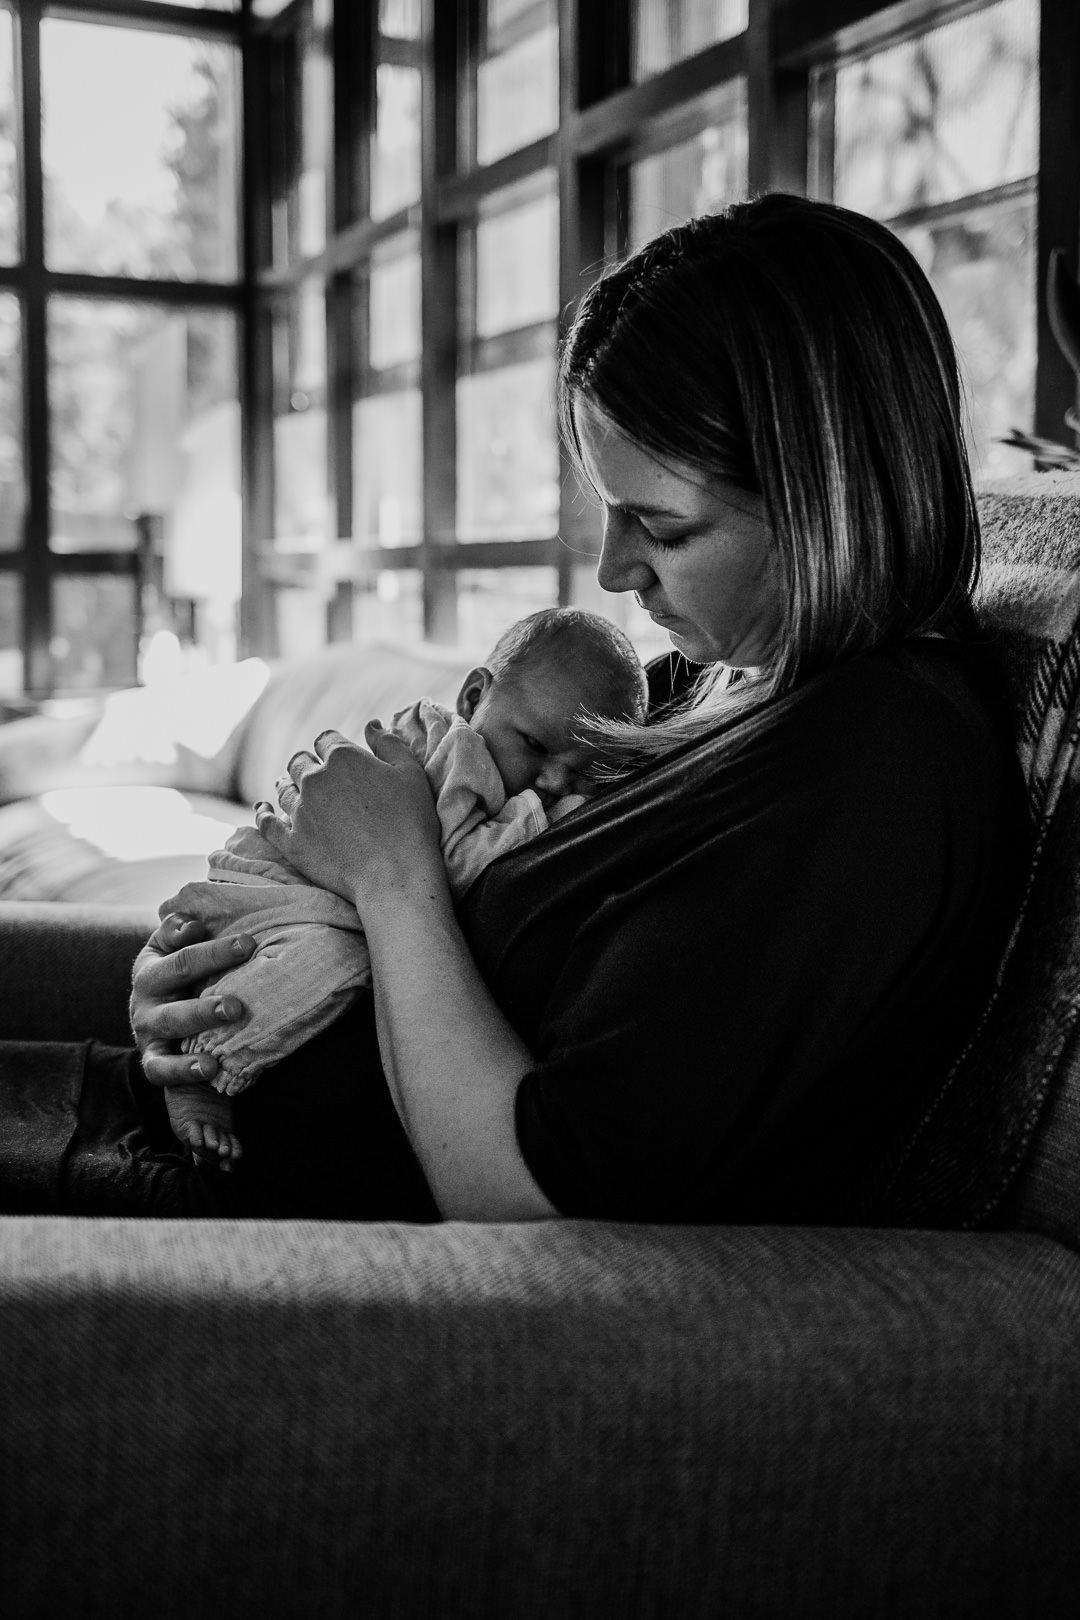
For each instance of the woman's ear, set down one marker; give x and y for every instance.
(476, 684)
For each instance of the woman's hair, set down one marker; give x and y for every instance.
(798, 350)
(577, 637)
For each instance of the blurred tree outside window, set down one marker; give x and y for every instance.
(938, 136)
(517, 79)
(140, 153)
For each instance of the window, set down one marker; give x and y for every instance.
(119, 344)
(938, 135)
(427, 190)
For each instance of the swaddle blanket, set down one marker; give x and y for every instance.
(311, 958)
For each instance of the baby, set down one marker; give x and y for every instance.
(504, 767)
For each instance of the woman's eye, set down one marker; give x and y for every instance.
(533, 743)
(665, 541)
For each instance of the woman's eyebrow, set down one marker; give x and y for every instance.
(645, 509)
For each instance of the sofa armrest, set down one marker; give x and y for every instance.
(65, 970)
(291, 1418)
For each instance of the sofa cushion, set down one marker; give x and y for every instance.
(341, 688)
(114, 846)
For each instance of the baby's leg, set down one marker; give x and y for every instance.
(202, 1119)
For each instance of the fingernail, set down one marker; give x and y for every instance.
(196, 1068)
(221, 1011)
(376, 725)
(241, 945)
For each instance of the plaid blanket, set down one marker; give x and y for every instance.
(1000, 1145)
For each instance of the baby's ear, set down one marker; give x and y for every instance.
(476, 684)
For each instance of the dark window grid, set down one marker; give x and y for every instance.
(528, 21)
(38, 564)
(223, 26)
(841, 31)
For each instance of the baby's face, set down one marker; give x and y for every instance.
(527, 720)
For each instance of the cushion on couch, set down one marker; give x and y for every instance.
(123, 809)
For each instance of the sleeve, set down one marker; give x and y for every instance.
(803, 922)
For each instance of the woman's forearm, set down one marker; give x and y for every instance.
(452, 1061)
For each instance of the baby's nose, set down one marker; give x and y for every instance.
(554, 782)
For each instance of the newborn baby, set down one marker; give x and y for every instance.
(513, 759)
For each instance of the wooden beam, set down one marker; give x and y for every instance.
(37, 572)
(830, 30)
(1058, 207)
(613, 123)
(459, 195)
(438, 313)
(777, 110)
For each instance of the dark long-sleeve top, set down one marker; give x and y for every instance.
(742, 971)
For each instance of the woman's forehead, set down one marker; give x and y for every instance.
(625, 473)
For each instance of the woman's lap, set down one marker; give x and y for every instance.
(83, 1132)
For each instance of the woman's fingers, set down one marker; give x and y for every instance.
(163, 1065)
(182, 965)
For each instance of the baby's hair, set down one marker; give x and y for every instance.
(609, 652)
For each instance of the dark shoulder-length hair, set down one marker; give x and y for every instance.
(798, 350)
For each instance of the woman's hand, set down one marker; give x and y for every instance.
(171, 965)
(363, 825)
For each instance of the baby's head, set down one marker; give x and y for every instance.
(544, 678)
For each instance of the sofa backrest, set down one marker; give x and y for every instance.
(340, 688)
(1001, 1143)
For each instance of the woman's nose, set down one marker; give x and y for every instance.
(622, 565)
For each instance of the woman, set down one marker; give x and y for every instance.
(724, 989)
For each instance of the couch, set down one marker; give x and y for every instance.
(587, 1419)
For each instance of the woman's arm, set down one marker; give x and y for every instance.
(365, 826)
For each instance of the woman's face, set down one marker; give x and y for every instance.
(696, 552)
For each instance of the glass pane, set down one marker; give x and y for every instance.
(301, 620)
(667, 30)
(399, 19)
(517, 262)
(145, 423)
(268, 8)
(950, 113)
(395, 155)
(391, 609)
(9, 153)
(139, 148)
(94, 631)
(394, 303)
(491, 599)
(698, 176)
(386, 469)
(12, 488)
(517, 93)
(507, 460)
(210, 5)
(11, 662)
(301, 502)
(983, 269)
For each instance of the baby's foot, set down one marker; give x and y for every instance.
(202, 1119)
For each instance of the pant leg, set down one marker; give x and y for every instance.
(75, 1138)
(321, 1135)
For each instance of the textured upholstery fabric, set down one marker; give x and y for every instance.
(1013, 1100)
(527, 1422)
(66, 970)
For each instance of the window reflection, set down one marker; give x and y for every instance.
(9, 152)
(517, 259)
(695, 177)
(942, 116)
(508, 467)
(667, 30)
(139, 148)
(517, 81)
(12, 488)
